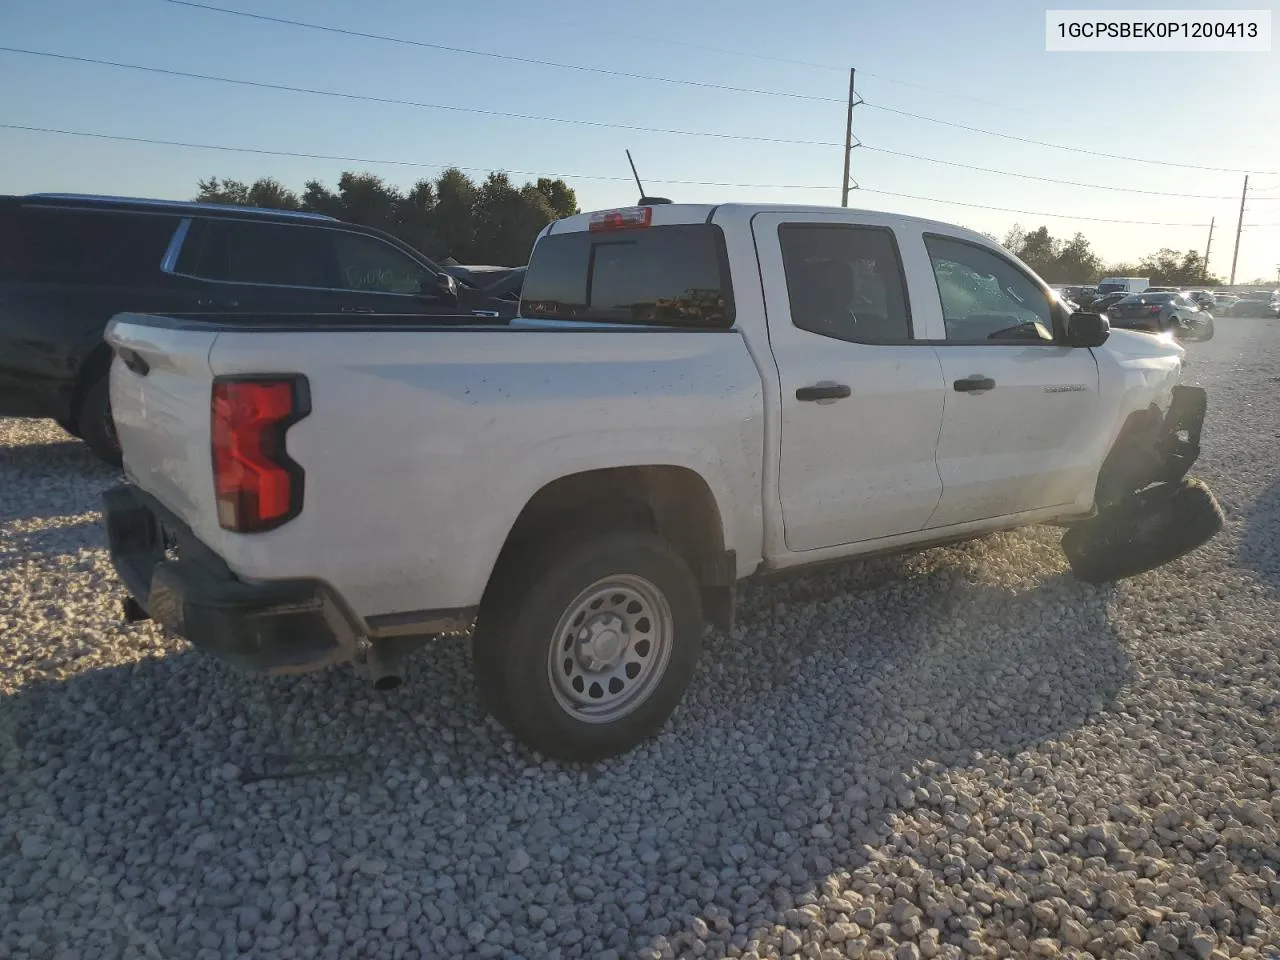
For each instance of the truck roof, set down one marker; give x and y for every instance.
(673, 213)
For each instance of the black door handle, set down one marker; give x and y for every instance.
(823, 391)
(974, 384)
(218, 304)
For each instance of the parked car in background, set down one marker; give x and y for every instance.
(1072, 292)
(504, 295)
(1204, 300)
(1256, 303)
(1122, 285)
(1106, 301)
(68, 263)
(1222, 301)
(1162, 312)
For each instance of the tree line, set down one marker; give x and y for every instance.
(493, 222)
(1060, 260)
(496, 222)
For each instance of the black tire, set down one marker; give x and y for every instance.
(1207, 332)
(1148, 530)
(96, 428)
(517, 630)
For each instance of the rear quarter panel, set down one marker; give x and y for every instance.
(422, 448)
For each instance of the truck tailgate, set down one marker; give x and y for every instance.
(160, 401)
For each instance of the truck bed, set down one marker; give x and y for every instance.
(446, 430)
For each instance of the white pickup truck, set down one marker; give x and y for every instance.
(691, 395)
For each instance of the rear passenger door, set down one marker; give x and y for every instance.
(861, 402)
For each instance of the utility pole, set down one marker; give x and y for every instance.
(848, 143)
(1239, 229)
(1207, 247)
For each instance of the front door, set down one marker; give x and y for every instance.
(861, 403)
(1022, 410)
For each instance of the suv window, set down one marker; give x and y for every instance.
(276, 254)
(985, 297)
(845, 282)
(674, 275)
(371, 265)
(49, 245)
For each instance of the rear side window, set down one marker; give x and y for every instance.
(271, 254)
(674, 275)
(845, 282)
(48, 245)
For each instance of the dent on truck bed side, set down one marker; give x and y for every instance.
(422, 450)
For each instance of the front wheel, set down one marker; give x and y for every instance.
(583, 649)
(1145, 531)
(1206, 332)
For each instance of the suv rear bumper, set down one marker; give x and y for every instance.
(278, 626)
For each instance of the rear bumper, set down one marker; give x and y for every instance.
(279, 626)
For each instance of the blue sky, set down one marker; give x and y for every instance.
(980, 64)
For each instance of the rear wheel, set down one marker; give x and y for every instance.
(1206, 332)
(583, 648)
(1148, 530)
(96, 427)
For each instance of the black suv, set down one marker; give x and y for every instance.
(69, 263)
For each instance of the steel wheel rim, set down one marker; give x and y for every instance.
(610, 649)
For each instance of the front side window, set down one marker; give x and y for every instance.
(985, 298)
(372, 266)
(845, 282)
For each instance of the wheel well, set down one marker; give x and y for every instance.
(1132, 459)
(673, 502)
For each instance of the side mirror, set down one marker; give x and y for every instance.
(441, 286)
(1087, 329)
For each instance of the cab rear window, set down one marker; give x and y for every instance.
(675, 275)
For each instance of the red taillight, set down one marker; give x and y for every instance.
(1151, 308)
(257, 486)
(628, 219)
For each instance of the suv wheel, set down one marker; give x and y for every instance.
(96, 427)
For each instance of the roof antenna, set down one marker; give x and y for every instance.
(644, 201)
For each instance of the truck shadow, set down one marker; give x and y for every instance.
(183, 749)
(1259, 549)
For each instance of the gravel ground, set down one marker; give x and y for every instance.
(960, 753)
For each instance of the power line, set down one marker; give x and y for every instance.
(1046, 143)
(564, 176)
(447, 48)
(694, 83)
(368, 98)
(1032, 176)
(745, 54)
(1028, 213)
(398, 163)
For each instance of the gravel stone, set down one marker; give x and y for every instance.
(961, 752)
